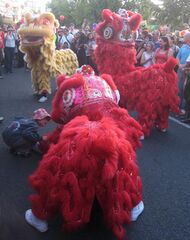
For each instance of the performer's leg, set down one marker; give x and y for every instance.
(161, 121)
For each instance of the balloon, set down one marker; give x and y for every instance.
(61, 18)
(94, 26)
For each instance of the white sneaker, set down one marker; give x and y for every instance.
(42, 99)
(136, 211)
(182, 112)
(1, 119)
(142, 137)
(163, 130)
(40, 225)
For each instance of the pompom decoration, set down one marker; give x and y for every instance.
(85, 69)
(61, 18)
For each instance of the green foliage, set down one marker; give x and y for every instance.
(76, 10)
(173, 12)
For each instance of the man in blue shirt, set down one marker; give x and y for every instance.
(182, 57)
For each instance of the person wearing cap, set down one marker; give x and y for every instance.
(22, 135)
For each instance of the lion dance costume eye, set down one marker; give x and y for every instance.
(108, 33)
(68, 97)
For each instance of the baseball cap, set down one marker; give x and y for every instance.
(40, 114)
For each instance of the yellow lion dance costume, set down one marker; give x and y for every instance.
(38, 43)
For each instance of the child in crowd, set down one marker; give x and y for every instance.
(22, 134)
(147, 56)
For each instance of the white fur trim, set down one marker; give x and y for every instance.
(117, 95)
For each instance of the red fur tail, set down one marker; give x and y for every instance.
(91, 158)
(170, 65)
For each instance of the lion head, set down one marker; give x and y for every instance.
(37, 30)
(117, 27)
(83, 94)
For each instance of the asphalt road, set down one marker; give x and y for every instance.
(164, 162)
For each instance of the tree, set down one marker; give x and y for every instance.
(145, 7)
(96, 7)
(76, 10)
(174, 12)
(62, 7)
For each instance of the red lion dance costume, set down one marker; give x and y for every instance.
(94, 157)
(152, 91)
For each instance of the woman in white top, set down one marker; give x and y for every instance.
(147, 56)
(10, 44)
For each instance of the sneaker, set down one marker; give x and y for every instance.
(42, 99)
(186, 120)
(163, 130)
(136, 211)
(40, 225)
(1, 119)
(23, 154)
(142, 137)
(182, 112)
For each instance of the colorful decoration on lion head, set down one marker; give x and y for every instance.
(117, 27)
(82, 92)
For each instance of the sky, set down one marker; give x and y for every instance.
(157, 1)
(45, 1)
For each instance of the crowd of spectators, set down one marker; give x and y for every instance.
(80, 40)
(156, 47)
(151, 47)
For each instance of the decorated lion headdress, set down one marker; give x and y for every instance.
(118, 27)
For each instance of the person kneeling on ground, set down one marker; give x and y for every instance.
(22, 134)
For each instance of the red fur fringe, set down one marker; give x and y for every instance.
(91, 159)
(152, 92)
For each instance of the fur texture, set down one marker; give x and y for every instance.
(153, 91)
(37, 42)
(93, 156)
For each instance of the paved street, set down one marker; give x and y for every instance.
(164, 162)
